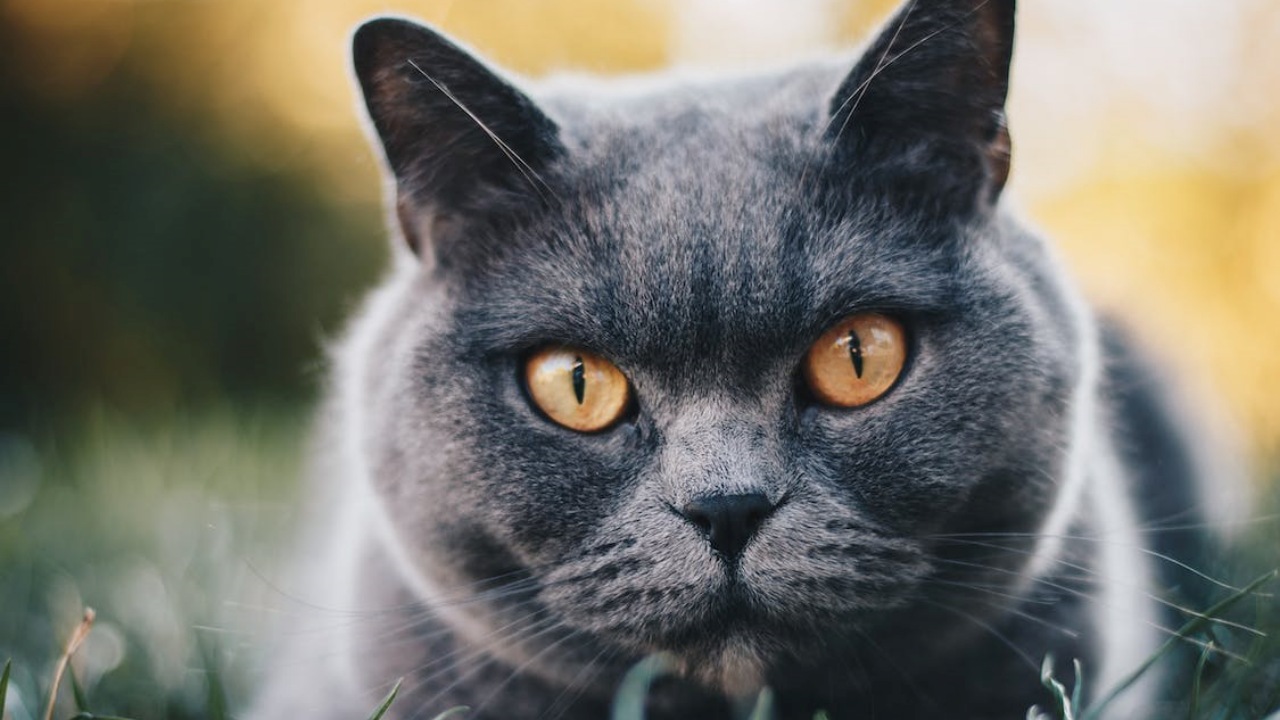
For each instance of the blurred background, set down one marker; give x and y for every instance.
(190, 209)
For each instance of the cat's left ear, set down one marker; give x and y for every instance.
(465, 145)
(924, 106)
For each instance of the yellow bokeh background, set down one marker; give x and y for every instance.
(1180, 239)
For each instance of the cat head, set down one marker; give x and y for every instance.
(680, 249)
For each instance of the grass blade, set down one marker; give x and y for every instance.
(77, 692)
(628, 702)
(73, 644)
(1078, 690)
(4, 685)
(386, 702)
(215, 704)
(216, 699)
(1059, 692)
(1195, 625)
(764, 709)
(1194, 710)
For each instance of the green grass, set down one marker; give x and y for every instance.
(386, 702)
(163, 529)
(4, 684)
(1231, 703)
(169, 530)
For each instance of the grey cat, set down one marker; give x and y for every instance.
(757, 373)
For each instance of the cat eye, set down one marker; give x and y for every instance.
(857, 360)
(577, 389)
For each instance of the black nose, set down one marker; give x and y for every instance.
(729, 521)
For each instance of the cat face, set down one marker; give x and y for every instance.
(700, 239)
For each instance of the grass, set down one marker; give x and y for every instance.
(164, 530)
(169, 530)
(1229, 705)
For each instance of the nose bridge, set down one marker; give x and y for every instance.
(720, 449)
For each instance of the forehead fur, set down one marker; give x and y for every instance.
(706, 218)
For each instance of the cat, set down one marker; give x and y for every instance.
(759, 373)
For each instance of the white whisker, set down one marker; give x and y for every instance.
(534, 179)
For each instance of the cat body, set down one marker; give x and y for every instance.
(918, 556)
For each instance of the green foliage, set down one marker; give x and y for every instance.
(174, 516)
(77, 692)
(163, 529)
(146, 265)
(1066, 705)
(1196, 625)
(216, 693)
(1245, 688)
(628, 703)
(764, 708)
(386, 702)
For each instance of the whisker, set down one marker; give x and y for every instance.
(490, 639)
(521, 668)
(311, 605)
(1155, 527)
(907, 678)
(882, 63)
(526, 170)
(546, 625)
(856, 96)
(991, 590)
(960, 537)
(1148, 623)
(577, 686)
(1004, 607)
(1091, 576)
(1035, 667)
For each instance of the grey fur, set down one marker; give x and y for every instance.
(701, 235)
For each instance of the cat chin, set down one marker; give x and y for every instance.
(736, 668)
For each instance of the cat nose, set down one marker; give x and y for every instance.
(729, 521)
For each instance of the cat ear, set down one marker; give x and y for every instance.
(461, 141)
(926, 101)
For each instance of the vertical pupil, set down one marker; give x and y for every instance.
(580, 379)
(855, 353)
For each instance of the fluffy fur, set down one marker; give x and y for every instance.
(926, 552)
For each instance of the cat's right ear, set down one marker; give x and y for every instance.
(925, 104)
(462, 142)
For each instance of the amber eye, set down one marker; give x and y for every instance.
(580, 390)
(857, 360)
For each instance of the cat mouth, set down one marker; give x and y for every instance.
(736, 644)
(726, 616)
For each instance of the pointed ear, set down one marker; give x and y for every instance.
(461, 141)
(928, 97)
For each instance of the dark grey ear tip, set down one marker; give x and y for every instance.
(371, 36)
(379, 34)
